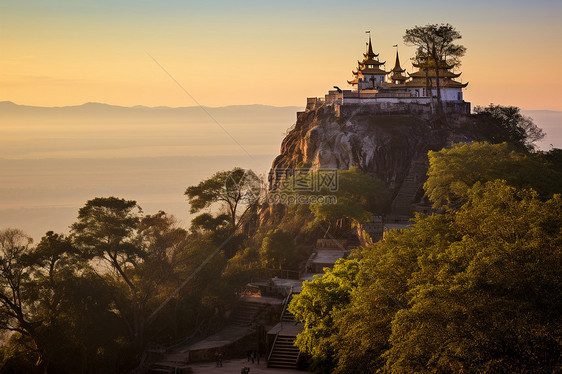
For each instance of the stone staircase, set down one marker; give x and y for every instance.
(170, 364)
(287, 316)
(284, 354)
(245, 313)
(402, 204)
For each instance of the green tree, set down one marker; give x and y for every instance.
(15, 275)
(72, 302)
(278, 250)
(236, 191)
(316, 305)
(507, 124)
(435, 47)
(206, 222)
(472, 290)
(106, 230)
(56, 309)
(452, 172)
(358, 196)
(489, 301)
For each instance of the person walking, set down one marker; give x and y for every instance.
(221, 356)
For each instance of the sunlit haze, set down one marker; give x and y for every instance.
(130, 53)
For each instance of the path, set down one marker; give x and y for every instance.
(233, 367)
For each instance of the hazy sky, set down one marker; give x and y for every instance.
(63, 52)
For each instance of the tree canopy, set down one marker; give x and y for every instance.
(90, 302)
(474, 290)
(236, 191)
(452, 172)
(435, 46)
(358, 195)
(278, 250)
(507, 124)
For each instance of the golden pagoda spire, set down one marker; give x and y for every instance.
(396, 74)
(368, 71)
(397, 68)
(370, 54)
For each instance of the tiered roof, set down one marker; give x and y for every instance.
(369, 66)
(398, 79)
(427, 70)
(397, 73)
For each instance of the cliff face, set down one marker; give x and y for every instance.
(390, 147)
(382, 145)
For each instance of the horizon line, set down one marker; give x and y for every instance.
(144, 106)
(191, 106)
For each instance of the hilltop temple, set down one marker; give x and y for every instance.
(378, 90)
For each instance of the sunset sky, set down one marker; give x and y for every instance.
(62, 52)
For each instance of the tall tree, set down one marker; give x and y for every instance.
(435, 46)
(473, 291)
(71, 302)
(507, 124)
(105, 230)
(452, 172)
(15, 275)
(236, 191)
(278, 250)
(55, 306)
(358, 196)
(316, 307)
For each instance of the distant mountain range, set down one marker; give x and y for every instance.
(549, 120)
(8, 107)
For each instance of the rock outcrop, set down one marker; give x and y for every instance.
(387, 146)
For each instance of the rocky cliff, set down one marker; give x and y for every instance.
(388, 146)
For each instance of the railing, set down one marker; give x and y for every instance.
(272, 348)
(286, 303)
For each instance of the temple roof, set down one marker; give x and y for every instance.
(421, 82)
(396, 72)
(397, 68)
(370, 53)
(427, 70)
(370, 59)
(431, 64)
(398, 77)
(372, 71)
(431, 73)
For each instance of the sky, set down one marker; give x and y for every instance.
(62, 52)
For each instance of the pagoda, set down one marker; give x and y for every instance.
(397, 73)
(450, 88)
(368, 75)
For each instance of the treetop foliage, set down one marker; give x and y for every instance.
(436, 42)
(235, 190)
(70, 313)
(452, 172)
(507, 124)
(359, 196)
(478, 288)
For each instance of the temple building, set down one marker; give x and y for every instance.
(396, 75)
(369, 75)
(376, 90)
(451, 90)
